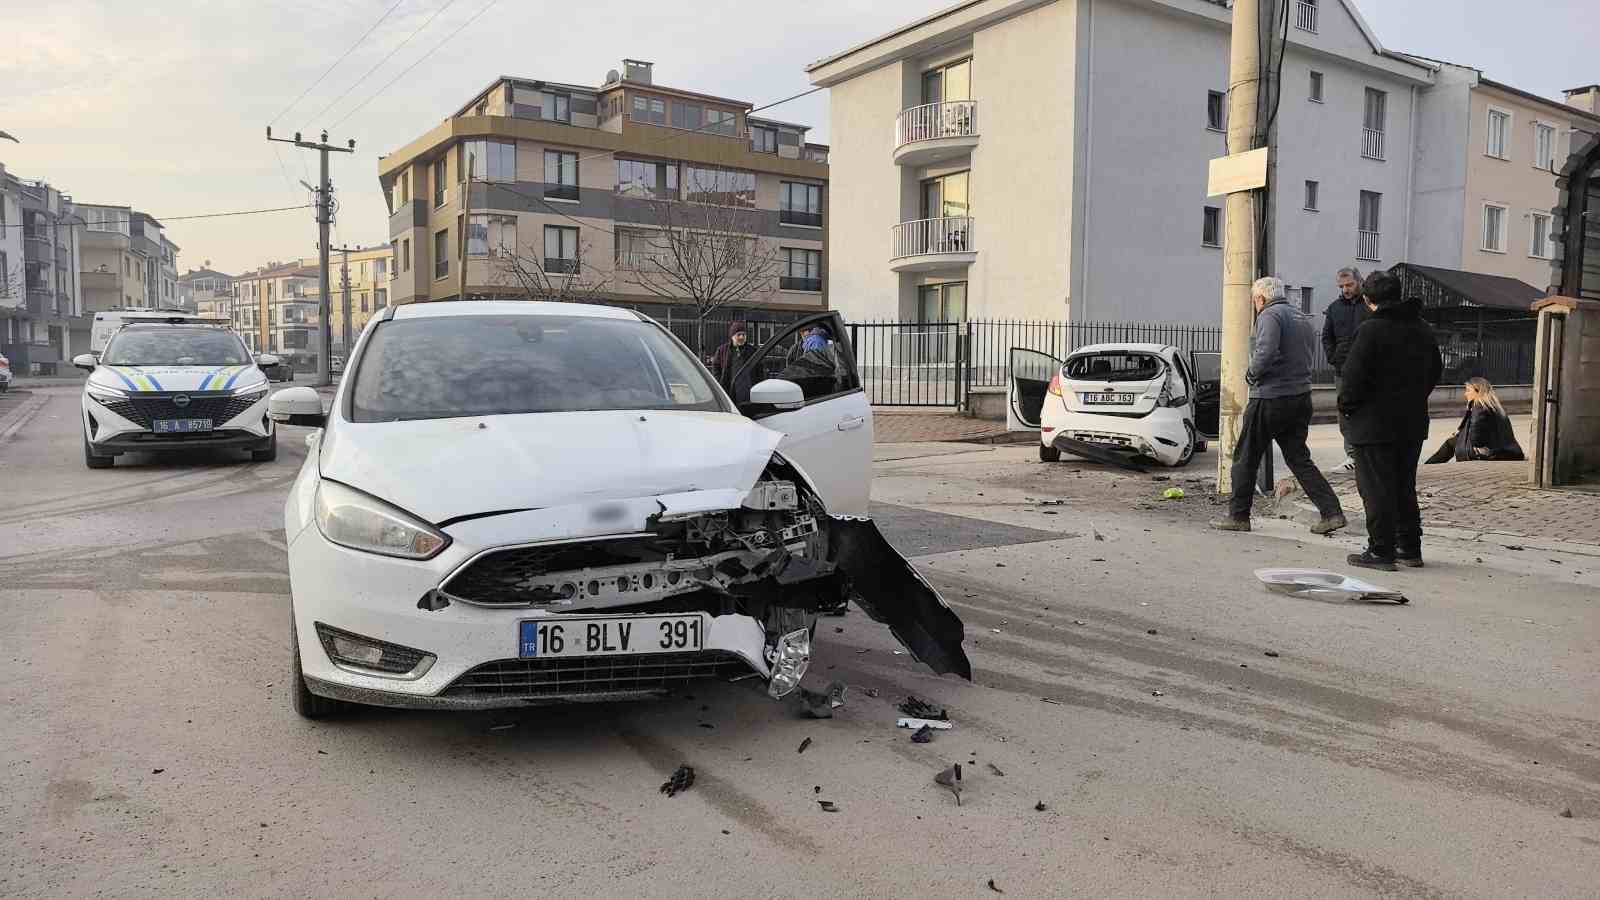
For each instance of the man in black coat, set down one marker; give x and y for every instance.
(1393, 366)
(1339, 323)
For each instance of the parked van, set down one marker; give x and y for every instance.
(108, 321)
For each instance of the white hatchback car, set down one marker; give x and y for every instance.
(1119, 401)
(519, 502)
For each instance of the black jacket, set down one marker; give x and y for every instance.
(726, 364)
(1483, 427)
(1393, 366)
(1339, 323)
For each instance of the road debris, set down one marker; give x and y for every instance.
(996, 770)
(803, 745)
(1515, 547)
(1040, 807)
(1319, 585)
(159, 771)
(993, 888)
(681, 781)
(1272, 653)
(1566, 813)
(914, 722)
(1172, 493)
(1151, 631)
(816, 789)
(1048, 700)
(1052, 503)
(498, 726)
(870, 692)
(918, 708)
(922, 735)
(821, 704)
(1079, 622)
(995, 630)
(1158, 693)
(951, 778)
(828, 805)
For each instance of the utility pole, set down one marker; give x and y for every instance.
(324, 214)
(466, 222)
(344, 278)
(1239, 237)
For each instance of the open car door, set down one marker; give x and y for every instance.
(1207, 366)
(1029, 375)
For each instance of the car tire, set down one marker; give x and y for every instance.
(93, 461)
(1049, 454)
(1191, 446)
(307, 704)
(269, 454)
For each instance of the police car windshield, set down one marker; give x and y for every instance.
(167, 345)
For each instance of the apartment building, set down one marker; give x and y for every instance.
(113, 275)
(1025, 159)
(41, 304)
(581, 184)
(1487, 165)
(366, 272)
(206, 291)
(277, 311)
(13, 290)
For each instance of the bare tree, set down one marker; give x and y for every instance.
(536, 278)
(707, 254)
(13, 281)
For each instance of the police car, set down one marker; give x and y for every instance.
(175, 385)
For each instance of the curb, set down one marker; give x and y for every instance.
(20, 416)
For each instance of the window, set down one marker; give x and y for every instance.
(1315, 91)
(492, 236)
(685, 115)
(441, 253)
(560, 175)
(404, 187)
(363, 299)
(561, 249)
(380, 269)
(1305, 15)
(438, 181)
(555, 107)
(1211, 227)
(405, 255)
(1311, 195)
(634, 248)
(722, 121)
(1305, 300)
(1373, 120)
(491, 160)
(763, 139)
(1499, 129)
(1544, 146)
(1494, 228)
(1539, 238)
(649, 109)
(802, 270)
(1367, 225)
(719, 187)
(948, 83)
(380, 298)
(945, 196)
(647, 180)
(1215, 106)
(800, 204)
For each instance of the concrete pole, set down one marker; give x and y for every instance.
(324, 310)
(1239, 235)
(344, 278)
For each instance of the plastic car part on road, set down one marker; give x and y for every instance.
(1320, 585)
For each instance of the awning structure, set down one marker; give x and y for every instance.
(1451, 295)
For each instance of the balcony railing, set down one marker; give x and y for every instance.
(953, 118)
(558, 266)
(561, 192)
(949, 234)
(1305, 15)
(796, 217)
(1372, 143)
(796, 283)
(1367, 245)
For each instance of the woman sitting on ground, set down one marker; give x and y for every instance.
(1485, 431)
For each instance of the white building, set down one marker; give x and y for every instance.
(1047, 159)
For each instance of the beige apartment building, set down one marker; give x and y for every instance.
(575, 182)
(206, 291)
(113, 275)
(368, 271)
(277, 311)
(1487, 173)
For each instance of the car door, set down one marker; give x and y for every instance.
(1208, 393)
(829, 438)
(1030, 375)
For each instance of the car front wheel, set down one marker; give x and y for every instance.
(93, 461)
(307, 704)
(269, 454)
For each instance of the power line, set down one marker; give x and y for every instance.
(165, 219)
(336, 62)
(389, 56)
(419, 62)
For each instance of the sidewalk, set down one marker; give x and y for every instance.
(902, 425)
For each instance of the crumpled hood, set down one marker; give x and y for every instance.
(440, 469)
(158, 379)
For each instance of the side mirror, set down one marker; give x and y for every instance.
(267, 359)
(778, 394)
(85, 361)
(297, 406)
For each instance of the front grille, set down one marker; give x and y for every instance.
(146, 408)
(503, 577)
(535, 678)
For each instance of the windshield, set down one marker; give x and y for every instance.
(1114, 365)
(436, 368)
(167, 345)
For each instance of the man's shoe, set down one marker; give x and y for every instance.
(1231, 524)
(1349, 465)
(1413, 561)
(1367, 560)
(1329, 524)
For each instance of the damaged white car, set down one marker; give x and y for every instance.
(515, 503)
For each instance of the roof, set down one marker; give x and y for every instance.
(602, 89)
(202, 273)
(286, 270)
(1565, 108)
(1581, 88)
(910, 26)
(1476, 288)
(435, 310)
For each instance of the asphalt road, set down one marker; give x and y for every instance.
(147, 747)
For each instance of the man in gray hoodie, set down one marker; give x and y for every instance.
(1279, 410)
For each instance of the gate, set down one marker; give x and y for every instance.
(911, 363)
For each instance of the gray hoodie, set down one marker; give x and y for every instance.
(1280, 364)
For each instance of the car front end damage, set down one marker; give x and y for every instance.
(606, 600)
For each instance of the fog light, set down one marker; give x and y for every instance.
(790, 658)
(370, 656)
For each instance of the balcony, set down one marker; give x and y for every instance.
(797, 283)
(935, 131)
(1367, 246)
(556, 266)
(797, 217)
(1372, 144)
(925, 245)
(1305, 15)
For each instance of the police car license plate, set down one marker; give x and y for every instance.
(614, 636)
(180, 426)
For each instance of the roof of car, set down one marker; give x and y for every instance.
(442, 308)
(1102, 348)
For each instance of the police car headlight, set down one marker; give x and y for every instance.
(106, 395)
(253, 394)
(352, 519)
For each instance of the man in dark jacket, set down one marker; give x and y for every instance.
(1279, 410)
(1383, 397)
(1339, 323)
(730, 358)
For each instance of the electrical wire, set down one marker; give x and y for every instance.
(474, 17)
(328, 71)
(165, 219)
(390, 55)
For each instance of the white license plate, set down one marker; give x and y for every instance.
(1107, 398)
(180, 426)
(611, 636)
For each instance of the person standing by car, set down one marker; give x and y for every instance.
(1485, 431)
(1339, 323)
(730, 358)
(1279, 410)
(1392, 367)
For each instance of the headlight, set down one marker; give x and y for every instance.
(352, 519)
(258, 389)
(105, 394)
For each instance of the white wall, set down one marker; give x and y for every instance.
(11, 243)
(1439, 195)
(864, 195)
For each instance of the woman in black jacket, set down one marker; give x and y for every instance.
(1485, 431)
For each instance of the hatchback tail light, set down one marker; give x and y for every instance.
(1055, 384)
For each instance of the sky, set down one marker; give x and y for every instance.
(162, 105)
